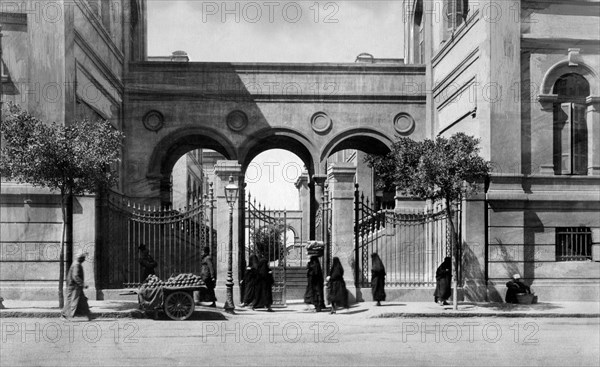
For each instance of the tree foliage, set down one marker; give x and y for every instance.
(440, 169)
(268, 241)
(74, 159)
(443, 169)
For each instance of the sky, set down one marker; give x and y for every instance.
(275, 31)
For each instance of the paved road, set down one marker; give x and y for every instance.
(292, 338)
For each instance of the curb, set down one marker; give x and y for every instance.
(482, 314)
(134, 314)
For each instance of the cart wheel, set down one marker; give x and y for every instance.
(179, 305)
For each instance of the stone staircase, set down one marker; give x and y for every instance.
(295, 282)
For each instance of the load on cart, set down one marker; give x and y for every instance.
(175, 296)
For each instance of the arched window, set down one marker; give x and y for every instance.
(456, 13)
(418, 34)
(570, 126)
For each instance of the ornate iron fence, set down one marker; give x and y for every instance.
(411, 244)
(267, 237)
(174, 238)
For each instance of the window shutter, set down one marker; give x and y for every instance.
(562, 131)
(580, 139)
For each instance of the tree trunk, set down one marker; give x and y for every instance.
(454, 246)
(61, 258)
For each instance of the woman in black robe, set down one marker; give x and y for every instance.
(249, 281)
(443, 277)
(338, 295)
(314, 286)
(377, 279)
(263, 296)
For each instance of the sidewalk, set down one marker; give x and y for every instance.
(393, 309)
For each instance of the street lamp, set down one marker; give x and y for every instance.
(231, 194)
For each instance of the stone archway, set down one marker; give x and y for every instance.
(175, 145)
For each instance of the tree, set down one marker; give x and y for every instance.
(268, 241)
(71, 159)
(443, 169)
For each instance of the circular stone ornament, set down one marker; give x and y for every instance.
(153, 120)
(237, 120)
(404, 123)
(320, 122)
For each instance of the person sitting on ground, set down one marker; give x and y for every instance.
(516, 286)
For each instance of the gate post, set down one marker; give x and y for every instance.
(341, 185)
(474, 248)
(318, 182)
(224, 169)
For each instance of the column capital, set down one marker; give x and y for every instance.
(342, 172)
(319, 179)
(224, 169)
(302, 180)
(547, 101)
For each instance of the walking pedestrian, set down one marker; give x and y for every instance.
(264, 293)
(314, 286)
(377, 279)
(338, 294)
(249, 281)
(443, 287)
(76, 303)
(207, 273)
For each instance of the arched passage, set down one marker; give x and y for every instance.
(168, 151)
(351, 147)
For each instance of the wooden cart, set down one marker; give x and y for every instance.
(178, 301)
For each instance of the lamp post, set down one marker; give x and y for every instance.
(231, 194)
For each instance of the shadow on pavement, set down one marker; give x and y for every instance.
(351, 312)
(391, 304)
(508, 307)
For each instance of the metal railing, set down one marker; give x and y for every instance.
(573, 244)
(175, 238)
(410, 243)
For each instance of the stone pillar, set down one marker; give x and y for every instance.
(304, 201)
(318, 183)
(224, 169)
(544, 137)
(593, 130)
(341, 187)
(473, 250)
(405, 202)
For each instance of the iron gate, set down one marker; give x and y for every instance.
(411, 244)
(174, 238)
(267, 238)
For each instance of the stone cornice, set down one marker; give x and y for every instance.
(280, 68)
(163, 95)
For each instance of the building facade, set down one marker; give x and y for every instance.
(62, 60)
(521, 75)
